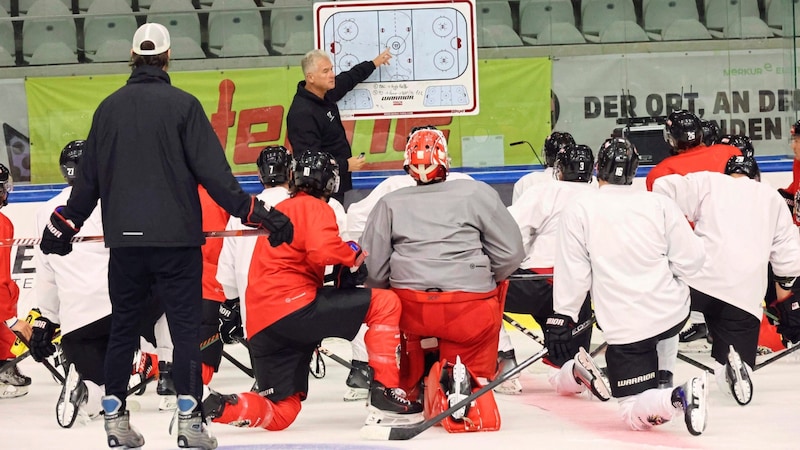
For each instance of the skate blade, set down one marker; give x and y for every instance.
(509, 387)
(376, 417)
(355, 394)
(698, 416)
(66, 411)
(11, 391)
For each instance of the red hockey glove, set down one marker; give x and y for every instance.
(58, 233)
(280, 227)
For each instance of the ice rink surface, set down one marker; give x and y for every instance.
(537, 418)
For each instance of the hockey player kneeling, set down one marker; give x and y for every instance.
(448, 384)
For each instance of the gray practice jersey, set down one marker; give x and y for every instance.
(455, 236)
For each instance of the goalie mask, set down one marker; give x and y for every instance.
(617, 161)
(69, 160)
(426, 157)
(274, 165)
(317, 173)
(553, 144)
(743, 143)
(6, 185)
(682, 131)
(575, 163)
(710, 132)
(745, 165)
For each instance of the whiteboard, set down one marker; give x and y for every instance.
(433, 69)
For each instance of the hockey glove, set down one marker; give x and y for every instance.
(557, 338)
(789, 198)
(345, 278)
(41, 345)
(230, 321)
(57, 234)
(788, 313)
(279, 226)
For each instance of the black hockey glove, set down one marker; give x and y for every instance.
(230, 321)
(279, 226)
(345, 278)
(57, 234)
(789, 198)
(41, 345)
(788, 313)
(557, 338)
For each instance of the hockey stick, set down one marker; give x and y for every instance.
(236, 363)
(694, 362)
(335, 357)
(56, 374)
(80, 239)
(539, 340)
(777, 357)
(530, 276)
(402, 433)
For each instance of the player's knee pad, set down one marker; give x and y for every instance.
(442, 385)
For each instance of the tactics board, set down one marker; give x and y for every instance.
(433, 47)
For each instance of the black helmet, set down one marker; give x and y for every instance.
(743, 143)
(682, 131)
(795, 129)
(317, 172)
(274, 165)
(6, 185)
(553, 143)
(69, 160)
(745, 165)
(617, 161)
(710, 132)
(575, 163)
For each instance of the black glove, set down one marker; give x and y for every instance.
(344, 278)
(57, 234)
(230, 321)
(557, 338)
(789, 198)
(786, 283)
(280, 227)
(788, 313)
(41, 345)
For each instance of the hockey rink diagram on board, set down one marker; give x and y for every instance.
(432, 71)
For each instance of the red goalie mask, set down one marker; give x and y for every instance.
(426, 156)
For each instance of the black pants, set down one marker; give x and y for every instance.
(174, 275)
(729, 325)
(86, 347)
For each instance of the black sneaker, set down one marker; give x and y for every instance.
(694, 332)
(391, 400)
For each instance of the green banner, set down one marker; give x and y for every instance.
(248, 107)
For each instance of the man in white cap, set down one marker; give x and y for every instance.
(149, 147)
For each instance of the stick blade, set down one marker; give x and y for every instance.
(383, 433)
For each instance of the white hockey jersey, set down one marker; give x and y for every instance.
(72, 290)
(531, 179)
(744, 226)
(632, 250)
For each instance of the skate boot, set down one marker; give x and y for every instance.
(166, 387)
(357, 382)
(738, 378)
(192, 430)
(664, 379)
(692, 397)
(12, 382)
(119, 431)
(586, 373)
(74, 395)
(506, 361)
(214, 404)
(460, 388)
(695, 338)
(390, 407)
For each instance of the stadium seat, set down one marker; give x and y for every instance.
(623, 31)
(291, 28)
(108, 27)
(660, 13)
(559, 33)
(685, 30)
(598, 14)
(495, 26)
(534, 14)
(179, 16)
(84, 5)
(53, 53)
(6, 59)
(779, 14)
(493, 36)
(6, 31)
(25, 6)
(43, 25)
(721, 13)
(242, 17)
(747, 28)
(239, 45)
(116, 50)
(186, 48)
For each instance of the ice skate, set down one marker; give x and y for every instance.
(506, 361)
(119, 431)
(192, 431)
(12, 382)
(74, 395)
(695, 339)
(460, 388)
(738, 378)
(389, 407)
(357, 382)
(166, 387)
(692, 397)
(586, 373)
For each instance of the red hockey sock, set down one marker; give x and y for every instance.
(207, 373)
(383, 337)
(255, 411)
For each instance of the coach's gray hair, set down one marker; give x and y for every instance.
(310, 59)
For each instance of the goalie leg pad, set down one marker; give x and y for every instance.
(482, 414)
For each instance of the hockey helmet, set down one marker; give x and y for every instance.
(575, 163)
(69, 160)
(274, 165)
(795, 129)
(710, 132)
(6, 184)
(617, 161)
(426, 157)
(317, 172)
(553, 143)
(682, 131)
(743, 143)
(745, 165)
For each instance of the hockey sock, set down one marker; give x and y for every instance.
(647, 409)
(207, 373)
(667, 353)
(383, 337)
(563, 381)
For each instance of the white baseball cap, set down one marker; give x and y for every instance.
(155, 33)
